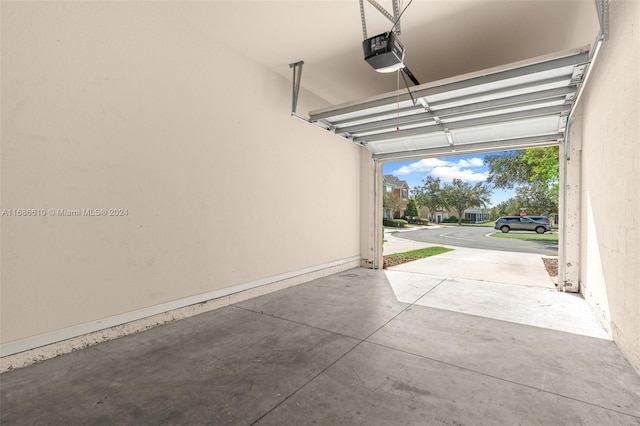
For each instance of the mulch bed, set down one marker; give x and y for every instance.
(551, 264)
(394, 261)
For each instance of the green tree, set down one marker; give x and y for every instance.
(533, 172)
(544, 163)
(429, 194)
(507, 170)
(545, 167)
(413, 208)
(460, 195)
(534, 199)
(511, 207)
(392, 202)
(537, 199)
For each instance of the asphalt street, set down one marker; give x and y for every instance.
(477, 237)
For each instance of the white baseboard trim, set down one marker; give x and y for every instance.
(20, 353)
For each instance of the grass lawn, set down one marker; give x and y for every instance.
(491, 223)
(531, 236)
(410, 256)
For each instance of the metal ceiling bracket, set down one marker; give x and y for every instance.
(602, 7)
(382, 10)
(328, 126)
(395, 18)
(578, 73)
(323, 124)
(364, 21)
(396, 22)
(297, 74)
(563, 122)
(447, 133)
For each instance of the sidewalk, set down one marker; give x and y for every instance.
(398, 245)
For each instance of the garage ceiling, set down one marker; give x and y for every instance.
(521, 105)
(442, 38)
(490, 106)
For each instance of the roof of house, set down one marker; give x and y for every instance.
(395, 181)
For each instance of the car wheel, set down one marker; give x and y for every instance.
(505, 229)
(541, 230)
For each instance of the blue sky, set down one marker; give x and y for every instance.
(469, 168)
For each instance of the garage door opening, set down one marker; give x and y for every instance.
(522, 105)
(459, 200)
(507, 183)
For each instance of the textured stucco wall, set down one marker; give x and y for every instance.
(119, 105)
(610, 243)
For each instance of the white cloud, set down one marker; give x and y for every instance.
(447, 174)
(471, 162)
(428, 164)
(424, 165)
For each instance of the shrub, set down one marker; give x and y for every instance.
(416, 220)
(453, 219)
(398, 223)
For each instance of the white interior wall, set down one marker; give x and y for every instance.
(117, 105)
(610, 240)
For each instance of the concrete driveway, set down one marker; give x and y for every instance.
(512, 287)
(471, 263)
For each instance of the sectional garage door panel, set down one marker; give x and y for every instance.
(520, 105)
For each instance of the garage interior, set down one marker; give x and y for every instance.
(178, 116)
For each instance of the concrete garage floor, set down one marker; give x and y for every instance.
(360, 347)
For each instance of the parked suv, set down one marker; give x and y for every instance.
(524, 223)
(543, 219)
